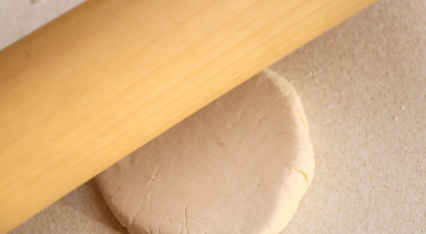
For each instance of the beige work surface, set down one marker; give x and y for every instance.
(363, 87)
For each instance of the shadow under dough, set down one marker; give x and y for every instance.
(88, 200)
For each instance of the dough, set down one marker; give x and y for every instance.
(239, 165)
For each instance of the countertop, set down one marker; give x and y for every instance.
(363, 87)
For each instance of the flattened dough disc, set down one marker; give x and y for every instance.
(239, 165)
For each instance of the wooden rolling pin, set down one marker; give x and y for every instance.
(88, 88)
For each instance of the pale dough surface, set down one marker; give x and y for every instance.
(239, 165)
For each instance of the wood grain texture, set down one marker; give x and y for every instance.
(93, 85)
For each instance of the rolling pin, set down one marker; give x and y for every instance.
(93, 85)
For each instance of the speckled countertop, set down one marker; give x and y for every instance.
(363, 86)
